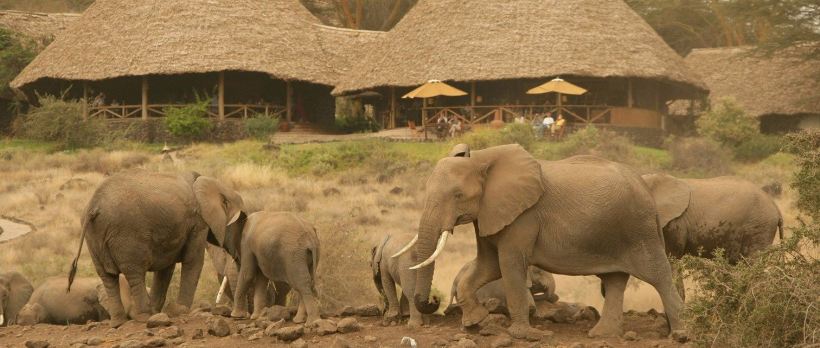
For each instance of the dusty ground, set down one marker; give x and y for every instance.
(442, 330)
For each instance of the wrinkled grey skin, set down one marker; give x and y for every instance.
(389, 272)
(226, 267)
(278, 247)
(15, 291)
(579, 216)
(140, 221)
(540, 283)
(706, 214)
(51, 304)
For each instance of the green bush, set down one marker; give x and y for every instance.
(727, 124)
(757, 147)
(594, 141)
(262, 127)
(355, 124)
(521, 134)
(62, 122)
(190, 121)
(700, 156)
(14, 56)
(806, 180)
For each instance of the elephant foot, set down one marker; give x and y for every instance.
(300, 318)
(117, 322)
(415, 323)
(680, 336)
(239, 314)
(605, 329)
(473, 316)
(526, 332)
(388, 319)
(176, 310)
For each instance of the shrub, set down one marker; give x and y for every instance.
(355, 124)
(521, 134)
(62, 122)
(757, 147)
(189, 121)
(727, 124)
(699, 155)
(594, 141)
(262, 127)
(806, 180)
(14, 56)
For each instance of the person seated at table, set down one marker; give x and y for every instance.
(548, 122)
(455, 128)
(559, 125)
(538, 126)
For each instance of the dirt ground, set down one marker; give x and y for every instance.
(442, 330)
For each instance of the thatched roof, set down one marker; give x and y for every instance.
(460, 40)
(782, 84)
(116, 38)
(40, 27)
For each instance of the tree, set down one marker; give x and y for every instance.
(14, 56)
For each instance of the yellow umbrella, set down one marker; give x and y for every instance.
(434, 88)
(559, 86)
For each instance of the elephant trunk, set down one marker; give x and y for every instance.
(426, 245)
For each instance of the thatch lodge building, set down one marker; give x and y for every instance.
(275, 57)
(781, 90)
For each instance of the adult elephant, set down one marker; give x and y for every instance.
(578, 216)
(141, 221)
(15, 291)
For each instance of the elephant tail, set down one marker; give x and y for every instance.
(86, 224)
(780, 227)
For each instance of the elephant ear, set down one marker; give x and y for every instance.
(217, 204)
(513, 183)
(233, 237)
(376, 255)
(671, 196)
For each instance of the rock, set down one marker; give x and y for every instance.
(679, 336)
(171, 332)
(256, 336)
(440, 342)
(501, 342)
(347, 311)
(158, 320)
(198, 334)
(370, 339)
(339, 342)
(37, 344)
(74, 345)
(600, 344)
(221, 310)
(250, 331)
(348, 325)
(300, 343)
(466, 343)
(130, 344)
(271, 329)
(396, 190)
(323, 327)
(155, 342)
(177, 341)
(370, 310)
(203, 315)
(276, 313)
(219, 328)
(262, 324)
(203, 307)
(460, 336)
(94, 341)
(495, 319)
(289, 333)
(631, 336)
(492, 330)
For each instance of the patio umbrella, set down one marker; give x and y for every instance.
(559, 86)
(434, 88)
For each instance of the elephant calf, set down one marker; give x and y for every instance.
(274, 247)
(540, 283)
(51, 304)
(15, 291)
(227, 273)
(391, 271)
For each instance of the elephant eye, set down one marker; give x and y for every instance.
(459, 195)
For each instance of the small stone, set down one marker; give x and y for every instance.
(501, 342)
(219, 328)
(492, 330)
(339, 342)
(370, 339)
(250, 331)
(440, 342)
(37, 344)
(177, 341)
(148, 332)
(203, 315)
(495, 319)
(631, 336)
(347, 311)
(221, 310)
(370, 310)
(600, 344)
(131, 344)
(323, 327)
(466, 343)
(300, 343)
(155, 342)
(94, 341)
(348, 324)
(198, 334)
(158, 320)
(262, 324)
(289, 333)
(171, 332)
(256, 336)
(460, 336)
(276, 313)
(271, 329)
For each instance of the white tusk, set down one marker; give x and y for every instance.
(222, 289)
(407, 247)
(439, 248)
(2, 319)
(235, 217)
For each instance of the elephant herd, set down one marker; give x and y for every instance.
(578, 216)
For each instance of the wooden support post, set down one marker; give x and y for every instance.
(145, 98)
(630, 100)
(472, 100)
(85, 100)
(221, 95)
(289, 101)
(393, 108)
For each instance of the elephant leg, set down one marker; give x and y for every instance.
(193, 258)
(260, 295)
(610, 324)
(140, 302)
(300, 316)
(393, 311)
(300, 278)
(404, 305)
(247, 272)
(159, 288)
(416, 318)
(478, 274)
(113, 301)
(658, 273)
(514, 277)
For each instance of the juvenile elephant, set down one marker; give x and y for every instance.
(51, 304)
(15, 290)
(540, 283)
(579, 216)
(227, 272)
(141, 221)
(278, 247)
(389, 272)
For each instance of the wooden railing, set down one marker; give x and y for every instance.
(159, 110)
(507, 113)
